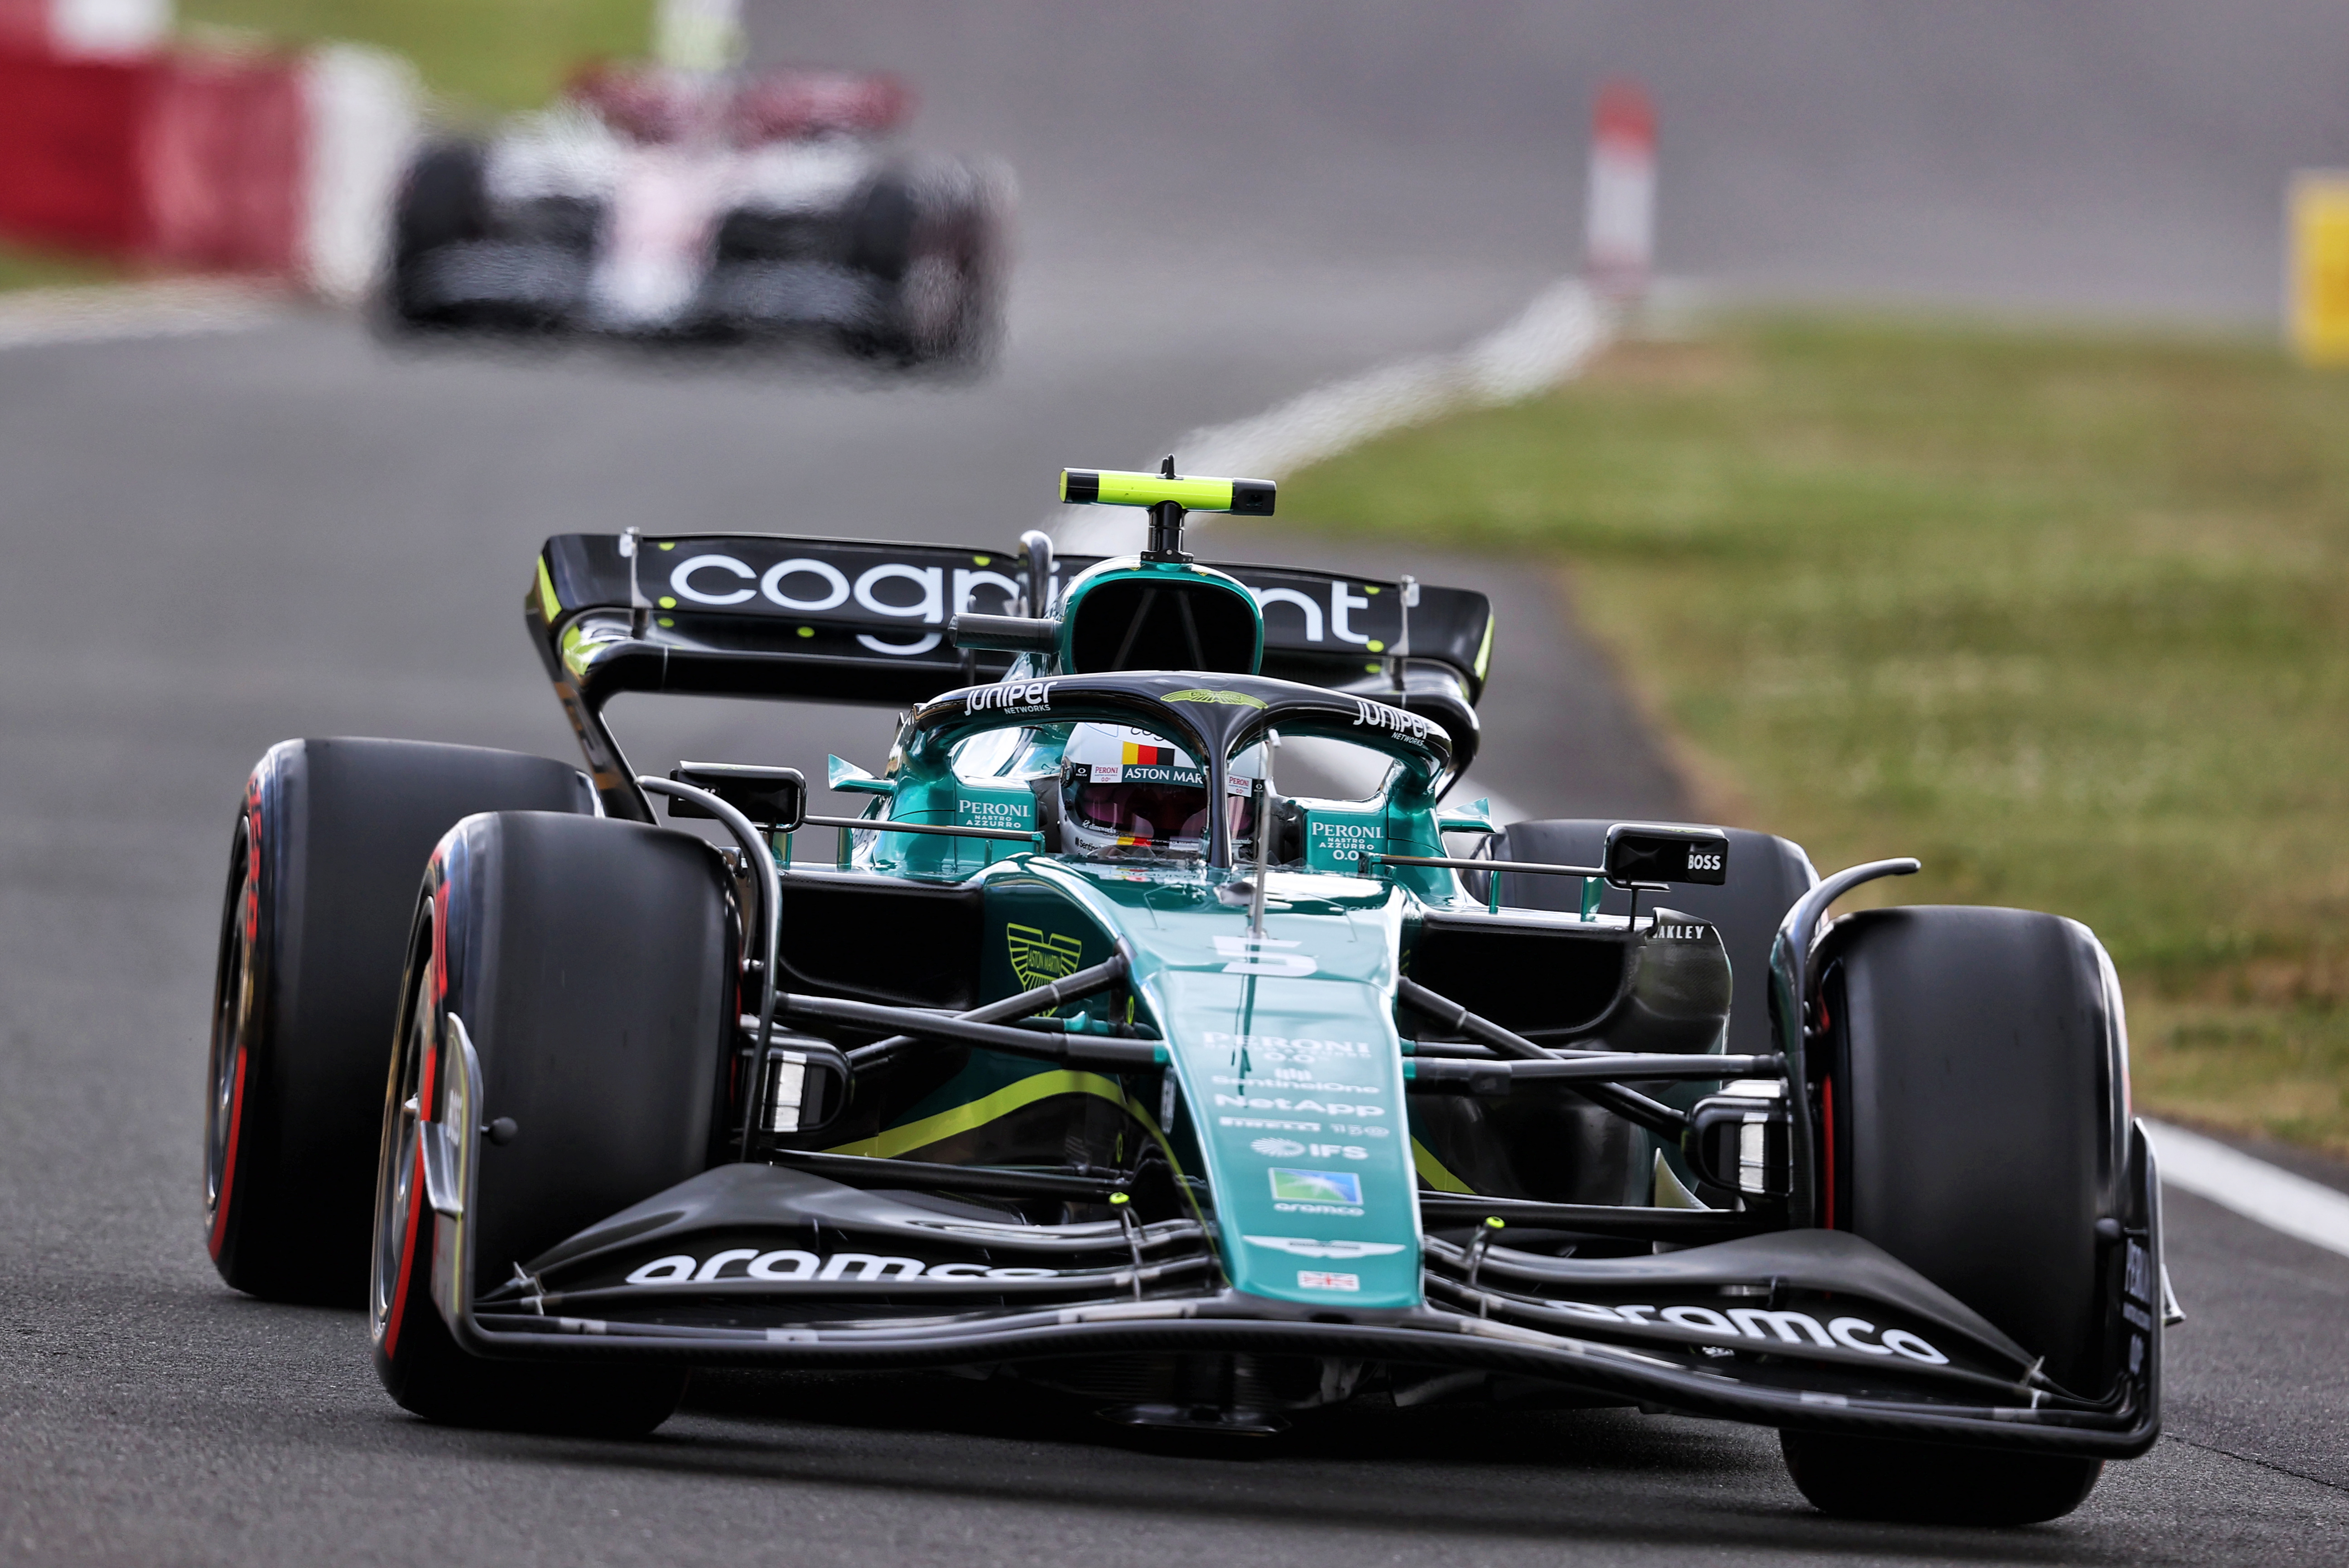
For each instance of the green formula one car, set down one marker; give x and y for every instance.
(1155, 1032)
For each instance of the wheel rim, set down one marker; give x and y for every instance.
(933, 294)
(232, 1016)
(396, 1163)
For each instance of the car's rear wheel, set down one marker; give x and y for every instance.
(1766, 875)
(329, 844)
(1974, 1126)
(589, 964)
(931, 237)
(443, 201)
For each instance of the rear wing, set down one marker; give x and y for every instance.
(854, 620)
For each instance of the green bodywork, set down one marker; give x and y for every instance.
(1281, 1105)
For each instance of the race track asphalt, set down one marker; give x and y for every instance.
(210, 544)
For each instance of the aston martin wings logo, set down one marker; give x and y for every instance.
(1039, 957)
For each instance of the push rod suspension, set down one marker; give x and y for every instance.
(1605, 1068)
(1052, 994)
(922, 1025)
(1629, 1104)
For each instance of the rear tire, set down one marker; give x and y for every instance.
(1931, 1483)
(443, 201)
(591, 963)
(1974, 1125)
(323, 870)
(930, 238)
(1766, 875)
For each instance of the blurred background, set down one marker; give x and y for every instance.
(1950, 463)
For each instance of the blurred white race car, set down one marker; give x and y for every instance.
(656, 201)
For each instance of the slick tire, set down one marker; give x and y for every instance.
(1973, 1124)
(442, 201)
(330, 845)
(1930, 1483)
(1766, 875)
(590, 964)
(931, 237)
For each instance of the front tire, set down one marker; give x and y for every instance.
(1974, 1118)
(1931, 1483)
(590, 962)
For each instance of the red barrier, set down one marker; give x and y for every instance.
(72, 152)
(194, 161)
(223, 164)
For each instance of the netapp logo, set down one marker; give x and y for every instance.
(1268, 1102)
(1783, 1327)
(789, 1264)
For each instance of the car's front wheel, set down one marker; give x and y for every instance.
(585, 962)
(1933, 1483)
(1974, 1122)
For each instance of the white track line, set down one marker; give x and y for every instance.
(173, 308)
(2294, 1205)
(1549, 341)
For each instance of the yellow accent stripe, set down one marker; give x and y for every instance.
(547, 603)
(986, 1108)
(1430, 1170)
(1012, 1097)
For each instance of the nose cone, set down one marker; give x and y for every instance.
(1291, 1091)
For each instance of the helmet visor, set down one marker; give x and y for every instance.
(1156, 813)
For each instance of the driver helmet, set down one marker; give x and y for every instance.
(1125, 790)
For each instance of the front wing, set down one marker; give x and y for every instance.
(784, 1266)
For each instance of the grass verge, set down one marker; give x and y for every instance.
(481, 55)
(2064, 614)
(33, 266)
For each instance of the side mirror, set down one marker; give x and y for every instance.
(1004, 633)
(774, 799)
(1737, 1140)
(1476, 816)
(850, 779)
(806, 1084)
(1652, 853)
